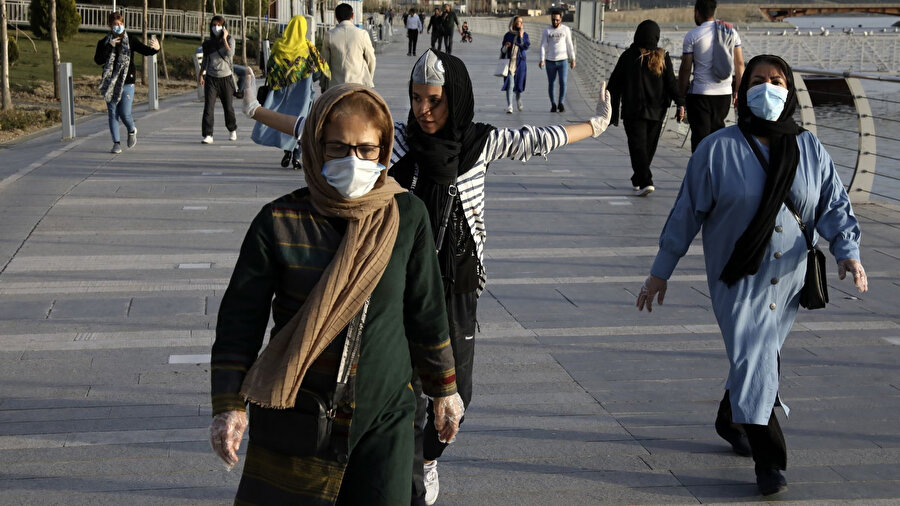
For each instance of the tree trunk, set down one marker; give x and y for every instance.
(146, 65)
(202, 19)
(6, 102)
(243, 33)
(259, 34)
(162, 38)
(214, 8)
(54, 47)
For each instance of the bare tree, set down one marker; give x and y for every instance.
(259, 35)
(54, 47)
(146, 65)
(201, 19)
(162, 39)
(243, 33)
(7, 104)
(214, 8)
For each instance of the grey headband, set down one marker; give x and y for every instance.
(429, 70)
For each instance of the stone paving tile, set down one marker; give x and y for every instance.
(89, 308)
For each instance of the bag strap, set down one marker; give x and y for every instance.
(452, 192)
(350, 354)
(787, 201)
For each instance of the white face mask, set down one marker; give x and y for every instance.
(766, 100)
(350, 176)
(217, 29)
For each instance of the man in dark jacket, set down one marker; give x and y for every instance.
(436, 28)
(450, 20)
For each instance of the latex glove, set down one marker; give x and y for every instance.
(114, 41)
(855, 268)
(604, 112)
(251, 104)
(448, 411)
(652, 287)
(225, 434)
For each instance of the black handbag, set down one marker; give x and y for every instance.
(814, 294)
(304, 430)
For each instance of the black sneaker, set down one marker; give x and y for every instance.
(552, 107)
(770, 481)
(286, 159)
(132, 138)
(561, 108)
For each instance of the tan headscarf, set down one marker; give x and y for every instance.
(357, 266)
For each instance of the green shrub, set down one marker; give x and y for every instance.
(20, 119)
(67, 18)
(12, 51)
(181, 67)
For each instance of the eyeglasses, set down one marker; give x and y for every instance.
(362, 151)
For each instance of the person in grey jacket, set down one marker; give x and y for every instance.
(217, 78)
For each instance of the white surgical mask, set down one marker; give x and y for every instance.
(350, 176)
(766, 100)
(118, 29)
(216, 29)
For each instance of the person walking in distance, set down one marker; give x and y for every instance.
(451, 25)
(643, 82)
(413, 29)
(216, 77)
(515, 43)
(115, 52)
(348, 51)
(435, 27)
(557, 51)
(708, 97)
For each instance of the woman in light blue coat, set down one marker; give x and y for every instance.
(736, 188)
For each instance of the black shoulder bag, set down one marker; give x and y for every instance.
(814, 294)
(305, 429)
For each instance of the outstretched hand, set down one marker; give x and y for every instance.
(600, 122)
(251, 104)
(652, 287)
(855, 268)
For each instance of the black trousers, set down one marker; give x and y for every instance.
(436, 39)
(643, 137)
(413, 36)
(448, 42)
(221, 88)
(706, 114)
(766, 441)
(461, 310)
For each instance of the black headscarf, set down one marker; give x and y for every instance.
(646, 36)
(441, 158)
(784, 155)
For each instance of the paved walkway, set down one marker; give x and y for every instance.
(113, 268)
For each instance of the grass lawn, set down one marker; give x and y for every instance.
(36, 66)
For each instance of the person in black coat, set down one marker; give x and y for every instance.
(643, 82)
(115, 52)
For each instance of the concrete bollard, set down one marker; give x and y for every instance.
(67, 100)
(198, 60)
(152, 83)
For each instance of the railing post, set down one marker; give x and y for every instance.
(67, 100)
(152, 83)
(864, 174)
(807, 113)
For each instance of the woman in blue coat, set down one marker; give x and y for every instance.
(736, 188)
(515, 43)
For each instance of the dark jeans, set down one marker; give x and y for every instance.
(461, 312)
(221, 88)
(643, 137)
(448, 42)
(766, 441)
(413, 36)
(706, 114)
(436, 40)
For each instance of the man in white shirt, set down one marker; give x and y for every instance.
(557, 49)
(707, 98)
(414, 27)
(348, 51)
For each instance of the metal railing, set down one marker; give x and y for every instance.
(864, 115)
(180, 23)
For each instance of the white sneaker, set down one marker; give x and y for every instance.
(519, 103)
(432, 486)
(509, 110)
(232, 135)
(643, 192)
(637, 188)
(207, 140)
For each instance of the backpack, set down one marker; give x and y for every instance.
(723, 51)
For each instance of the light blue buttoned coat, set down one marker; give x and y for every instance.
(721, 191)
